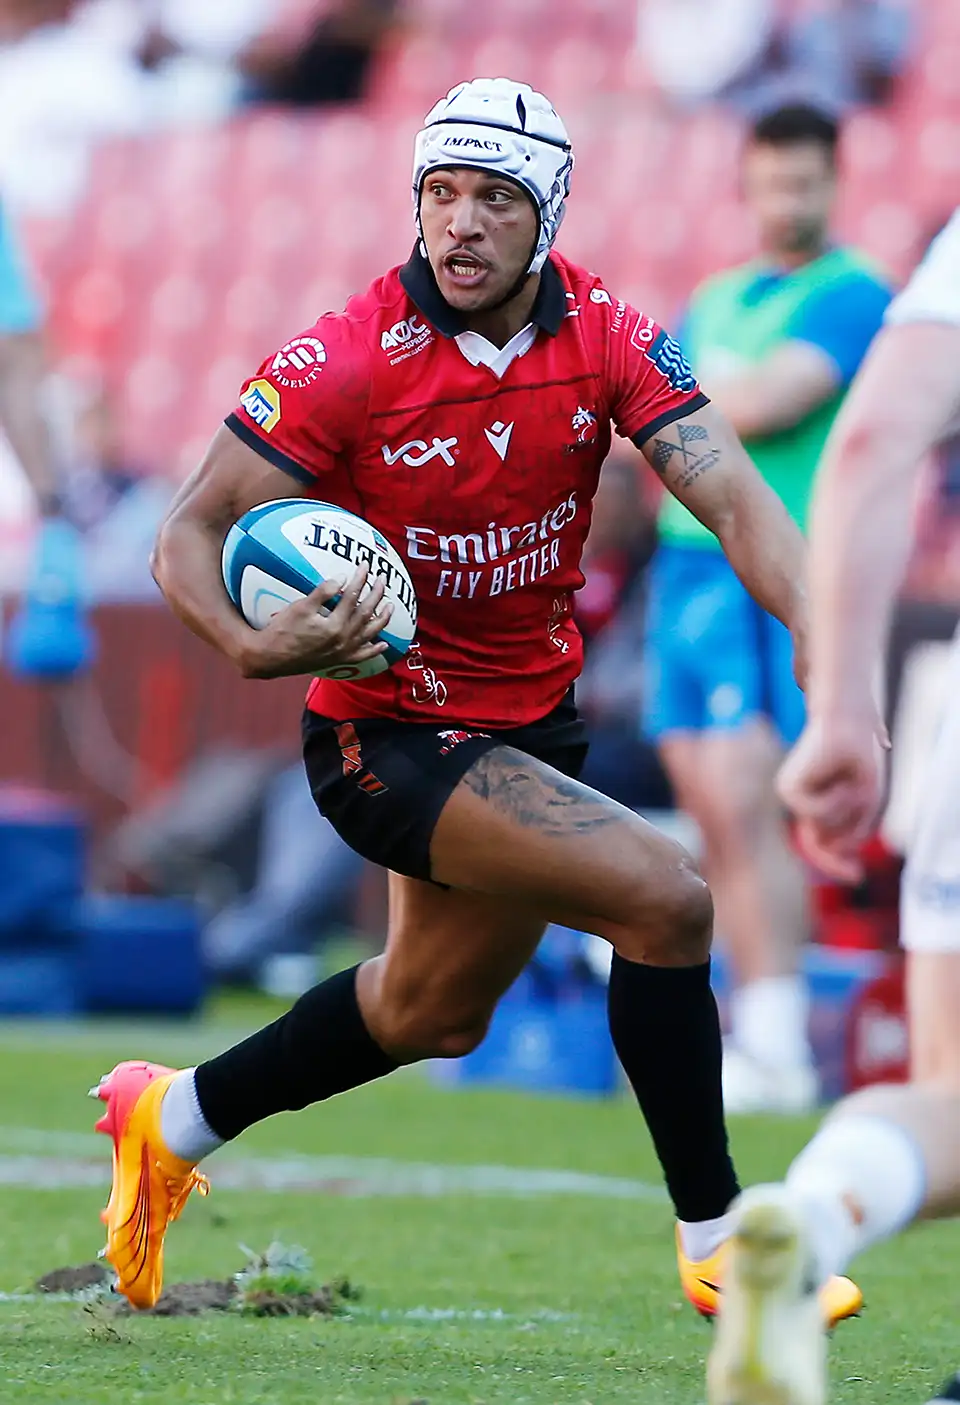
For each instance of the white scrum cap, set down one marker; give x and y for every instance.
(496, 125)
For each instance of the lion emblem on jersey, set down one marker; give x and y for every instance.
(585, 425)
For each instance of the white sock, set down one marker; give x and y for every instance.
(182, 1125)
(703, 1238)
(861, 1179)
(768, 1021)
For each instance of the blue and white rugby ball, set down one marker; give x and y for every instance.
(280, 551)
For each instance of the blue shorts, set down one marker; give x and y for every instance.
(713, 658)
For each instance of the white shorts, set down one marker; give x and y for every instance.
(930, 894)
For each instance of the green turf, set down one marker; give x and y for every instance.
(579, 1294)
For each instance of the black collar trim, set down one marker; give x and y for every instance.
(416, 275)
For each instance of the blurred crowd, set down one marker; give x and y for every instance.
(74, 72)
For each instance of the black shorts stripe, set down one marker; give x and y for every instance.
(270, 452)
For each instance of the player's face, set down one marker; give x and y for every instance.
(790, 191)
(479, 231)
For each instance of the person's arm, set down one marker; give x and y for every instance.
(23, 369)
(861, 518)
(702, 462)
(186, 565)
(824, 344)
(778, 392)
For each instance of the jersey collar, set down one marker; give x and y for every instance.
(418, 281)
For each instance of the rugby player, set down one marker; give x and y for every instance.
(887, 1155)
(463, 404)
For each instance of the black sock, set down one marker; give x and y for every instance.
(666, 1031)
(321, 1046)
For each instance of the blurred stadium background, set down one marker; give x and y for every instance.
(196, 184)
(195, 181)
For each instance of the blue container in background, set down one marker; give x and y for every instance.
(138, 955)
(42, 860)
(549, 1033)
(38, 982)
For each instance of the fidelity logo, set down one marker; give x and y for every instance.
(299, 362)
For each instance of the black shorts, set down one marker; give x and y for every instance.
(382, 784)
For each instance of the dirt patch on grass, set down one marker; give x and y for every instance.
(260, 1296)
(190, 1299)
(73, 1280)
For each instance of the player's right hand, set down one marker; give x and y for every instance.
(305, 637)
(832, 781)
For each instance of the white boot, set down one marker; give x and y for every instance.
(770, 1343)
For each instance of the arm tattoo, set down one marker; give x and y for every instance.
(536, 796)
(692, 463)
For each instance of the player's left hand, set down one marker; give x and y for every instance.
(833, 781)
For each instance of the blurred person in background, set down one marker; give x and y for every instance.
(76, 72)
(305, 880)
(23, 372)
(776, 341)
(49, 636)
(697, 50)
(327, 62)
(888, 1154)
(753, 55)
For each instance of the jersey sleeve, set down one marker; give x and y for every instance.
(841, 320)
(20, 309)
(933, 293)
(307, 405)
(650, 383)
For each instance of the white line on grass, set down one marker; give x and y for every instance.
(358, 1313)
(45, 1160)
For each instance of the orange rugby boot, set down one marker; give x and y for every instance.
(150, 1185)
(702, 1284)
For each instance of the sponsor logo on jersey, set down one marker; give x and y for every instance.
(401, 333)
(644, 331)
(426, 686)
(498, 437)
(666, 355)
(491, 543)
(261, 400)
(495, 560)
(584, 426)
(418, 452)
(601, 295)
(299, 362)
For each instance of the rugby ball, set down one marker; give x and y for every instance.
(280, 551)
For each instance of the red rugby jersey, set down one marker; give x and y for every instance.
(483, 485)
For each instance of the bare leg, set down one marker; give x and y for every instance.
(725, 781)
(518, 845)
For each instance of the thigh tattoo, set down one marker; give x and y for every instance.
(538, 797)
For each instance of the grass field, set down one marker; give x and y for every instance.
(468, 1296)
